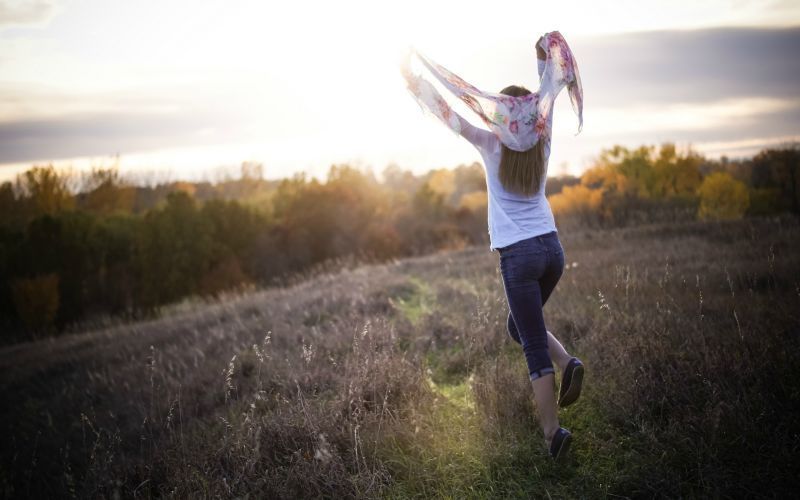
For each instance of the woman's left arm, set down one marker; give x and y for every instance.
(541, 57)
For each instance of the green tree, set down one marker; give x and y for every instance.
(234, 230)
(65, 244)
(779, 169)
(12, 209)
(113, 280)
(174, 251)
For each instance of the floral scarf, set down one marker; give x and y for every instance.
(518, 122)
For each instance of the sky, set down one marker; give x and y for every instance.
(190, 89)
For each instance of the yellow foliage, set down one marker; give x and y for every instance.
(47, 189)
(186, 187)
(675, 174)
(645, 172)
(475, 201)
(108, 198)
(607, 177)
(442, 182)
(578, 199)
(722, 197)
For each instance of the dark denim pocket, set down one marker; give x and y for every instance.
(524, 264)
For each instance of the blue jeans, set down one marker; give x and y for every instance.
(530, 269)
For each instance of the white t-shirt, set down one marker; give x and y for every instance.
(512, 217)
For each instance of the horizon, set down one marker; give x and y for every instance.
(207, 89)
(149, 179)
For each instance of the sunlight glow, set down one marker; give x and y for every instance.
(295, 84)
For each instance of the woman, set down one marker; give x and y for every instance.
(521, 224)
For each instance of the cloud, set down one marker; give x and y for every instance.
(689, 65)
(103, 134)
(691, 118)
(712, 85)
(22, 12)
(41, 124)
(754, 143)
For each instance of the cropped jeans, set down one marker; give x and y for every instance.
(530, 269)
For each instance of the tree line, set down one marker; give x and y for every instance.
(113, 248)
(74, 248)
(661, 184)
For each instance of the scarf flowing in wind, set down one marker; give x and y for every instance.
(518, 122)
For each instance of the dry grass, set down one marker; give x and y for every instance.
(398, 380)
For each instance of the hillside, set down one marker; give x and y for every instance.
(399, 380)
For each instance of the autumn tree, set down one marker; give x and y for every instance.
(675, 175)
(105, 192)
(45, 190)
(722, 197)
(580, 202)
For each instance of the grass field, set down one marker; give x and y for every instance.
(399, 380)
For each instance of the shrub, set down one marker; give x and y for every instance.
(578, 201)
(722, 197)
(36, 301)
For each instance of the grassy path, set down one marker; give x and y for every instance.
(458, 454)
(399, 381)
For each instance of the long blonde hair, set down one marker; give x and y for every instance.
(521, 171)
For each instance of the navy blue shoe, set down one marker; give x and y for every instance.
(559, 446)
(571, 383)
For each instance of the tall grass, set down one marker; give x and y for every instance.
(399, 380)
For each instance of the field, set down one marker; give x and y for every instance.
(399, 380)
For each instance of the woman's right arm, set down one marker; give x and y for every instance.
(429, 98)
(477, 136)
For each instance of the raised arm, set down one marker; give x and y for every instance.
(479, 137)
(429, 99)
(541, 57)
